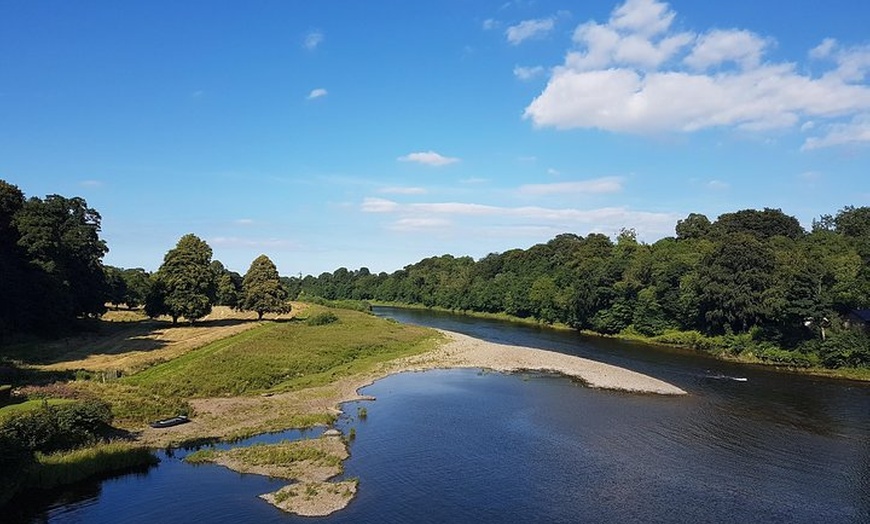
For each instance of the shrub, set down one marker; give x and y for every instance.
(321, 319)
(59, 427)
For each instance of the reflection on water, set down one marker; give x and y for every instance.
(466, 445)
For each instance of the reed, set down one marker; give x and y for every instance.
(67, 467)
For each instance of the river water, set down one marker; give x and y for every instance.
(748, 444)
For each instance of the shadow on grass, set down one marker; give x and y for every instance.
(102, 337)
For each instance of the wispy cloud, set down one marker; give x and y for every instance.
(245, 222)
(91, 183)
(596, 186)
(718, 185)
(429, 158)
(527, 73)
(462, 214)
(636, 73)
(312, 40)
(394, 190)
(317, 93)
(517, 34)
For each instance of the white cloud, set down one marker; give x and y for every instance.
(718, 47)
(527, 73)
(855, 132)
(429, 158)
(517, 34)
(317, 93)
(245, 222)
(467, 215)
(636, 74)
(597, 186)
(553, 172)
(718, 185)
(490, 24)
(403, 190)
(312, 40)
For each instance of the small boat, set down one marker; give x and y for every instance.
(169, 422)
(719, 376)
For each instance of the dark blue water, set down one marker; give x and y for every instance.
(471, 446)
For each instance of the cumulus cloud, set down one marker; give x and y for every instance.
(317, 93)
(429, 158)
(517, 34)
(461, 214)
(597, 186)
(637, 74)
(312, 40)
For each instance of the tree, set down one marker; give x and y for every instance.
(760, 224)
(60, 236)
(693, 226)
(732, 281)
(262, 290)
(185, 282)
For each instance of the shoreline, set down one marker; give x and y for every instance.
(242, 416)
(230, 418)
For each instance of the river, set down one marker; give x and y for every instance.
(748, 444)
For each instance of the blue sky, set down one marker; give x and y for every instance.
(328, 134)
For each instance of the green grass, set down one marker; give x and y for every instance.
(67, 467)
(283, 453)
(30, 405)
(274, 357)
(284, 356)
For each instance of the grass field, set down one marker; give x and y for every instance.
(268, 358)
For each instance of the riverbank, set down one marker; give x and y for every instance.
(230, 418)
(685, 340)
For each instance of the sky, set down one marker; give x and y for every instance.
(375, 134)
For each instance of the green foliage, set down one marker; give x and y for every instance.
(59, 427)
(262, 290)
(67, 467)
(322, 319)
(50, 262)
(184, 286)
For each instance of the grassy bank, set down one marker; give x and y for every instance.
(68, 467)
(271, 358)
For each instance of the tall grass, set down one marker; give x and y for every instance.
(67, 467)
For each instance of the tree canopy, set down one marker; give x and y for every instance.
(184, 285)
(262, 290)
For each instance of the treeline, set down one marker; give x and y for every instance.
(751, 281)
(52, 271)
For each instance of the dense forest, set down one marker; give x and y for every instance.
(752, 283)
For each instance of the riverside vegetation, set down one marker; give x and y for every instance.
(83, 416)
(752, 285)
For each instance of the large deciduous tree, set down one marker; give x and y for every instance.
(184, 285)
(60, 236)
(262, 290)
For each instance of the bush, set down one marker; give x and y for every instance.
(321, 319)
(59, 427)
